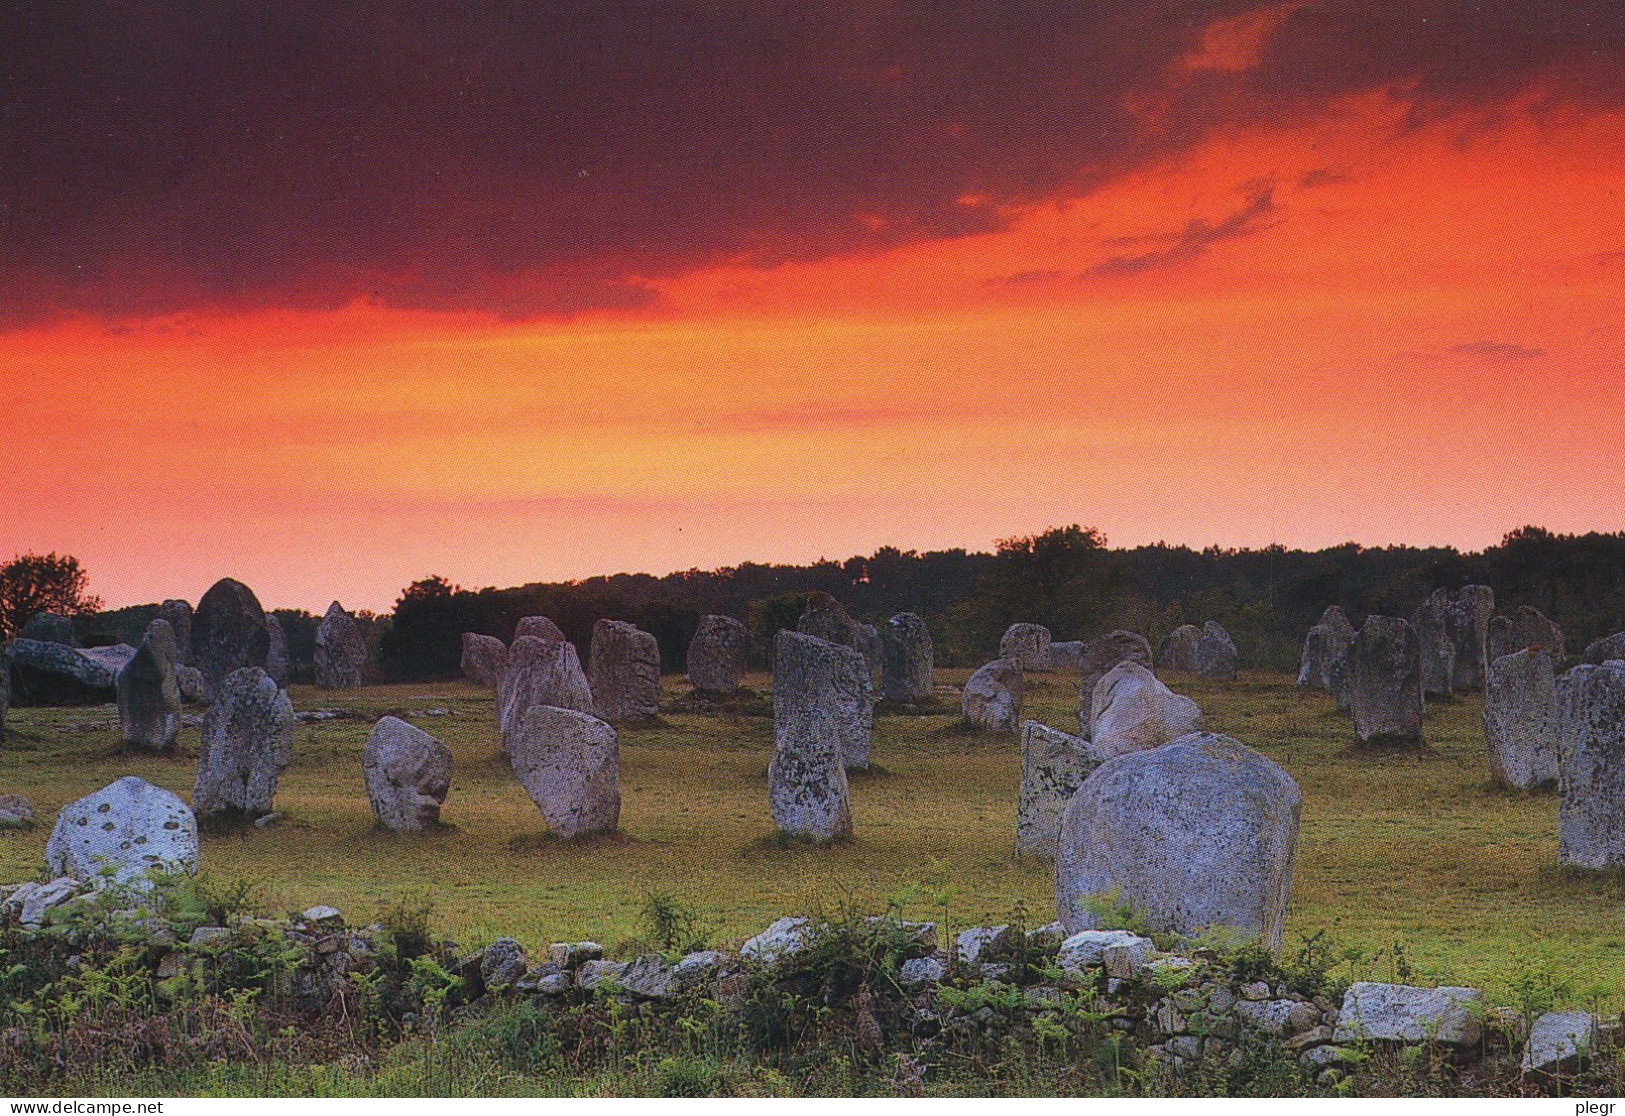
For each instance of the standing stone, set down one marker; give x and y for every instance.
(1053, 766)
(718, 655)
(1520, 719)
(163, 640)
(1386, 675)
(484, 659)
(1178, 650)
(408, 773)
(1131, 711)
(1469, 623)
(867, 642)
(991, 699)
(539, 672)
(178, 615)
(1606, 649)
(277, 663)
(247, 741)
(623, 668)
(1199, 833)
(1103, 653)
(1312, 662)
(537, 627)
(1325, 656)
(48, 627)
(1591, 729)
(817, 698)
(569, 763)
(1438, 650)
(909, 658)
(825, 619)
(228, 632)
(1216, 655)
(1026, 645)
(341, 651)
(149, 697)
(1526, 627)
(122, 834)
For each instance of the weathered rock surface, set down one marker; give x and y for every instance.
(1526, 627)
(1559, 1041)
(909, 659)
(407, 773)
(1591, 729)
(1520, 719)
(484, 658)
(991, 699)
(1054, 765)
(1435, 645)
(866, 641)
(1402, 1013)
(277, 663)
(1196, 834)
(1469, 624)
(718, 655)
(825, 618)
(48, 627)
(1103, 653)
(178, 615)
(537, 627)
(1026, 645)
(1385, 666)
(1065, 654)
(149, 697)
(1131, 711)
(1216, 655)
(189, 681)
(341, 651)
(228, 632)
(569, 763)
(1325, 656)
(247, 741)
(1606, 649)
(1178, 649)
(45, 673)
(122, 834)
(820, 721)
(624, 673)
(539, 672)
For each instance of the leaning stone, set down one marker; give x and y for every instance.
(821, 722)
(1469, 624)
(569, 764)
(1386, 668)
(341, 651)
(1053, 766)
(1402, 1013)
(908, 659)
(991, 699)
(1103, 653)
(1559, 1041)
(783, 939)
(1438, 651)
(247, 740)
(1591, 729)
(123, 834)
(1131, 710)
(484, 658)
(1026, 645)
(539, 672)
(48, 627)
(718, 655)
(149, 696)
(1520, 719)
(407, 773)
(624, 673)
(228, 632)
(1199, 834)
(1216, 655)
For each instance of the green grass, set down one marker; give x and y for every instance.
(1421, 851)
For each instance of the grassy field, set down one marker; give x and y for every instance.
(1417, 861)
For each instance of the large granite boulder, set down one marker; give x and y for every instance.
(539, 672)
(1131, 711)
(1103, 653)
(484, 659)
(1438, 650)
(123, 835)
(1178, 649)
(909, 659)
(718, 655)
(48, 627)
(1026, 645)
(1520, 719)
(407, 773)
(1054, 765)
(1591, 731)
(228, 632)
(1606, 649)
(1469, 624)
(44, 673)
(623, 671)
(1386, 676)
(819, 705)
(278, 664)
(178, 615)
(1197, 834)
(1526, 627)
(569, 763)
(149, 696)
(1216, 655)
(247, 741)
(991, 698)
(341, 651)
(536, 627)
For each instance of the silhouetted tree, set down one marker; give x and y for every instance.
(31, 583)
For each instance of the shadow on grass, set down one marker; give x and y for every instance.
(537, 842)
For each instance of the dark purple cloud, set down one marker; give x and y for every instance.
(1196, 237)
(533, 159)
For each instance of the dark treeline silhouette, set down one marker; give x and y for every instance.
(1065, 578)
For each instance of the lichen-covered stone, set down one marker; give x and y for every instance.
(407, 773)
(569, 763)
(718, 655)
(1526, 627)
(45, 673)
(536, 627)
(539, 672)
(1103, 653)
(1216, 655)
(341, 651)
(908, 659)
(247, 741)
(124, 834)
(1385, 666)
(1520, 719)
(1178, 648)
(1197, 834)
(1591, 731)
(149, 697)
(1469, 623)
(1026, 645)
(178, 615)
(48, 627)
(1606, 649)
(623, 668)
(1403, 1013)
(1559, 1040)
(228, 632)
(1131, 710)
(991, 698)
(821, 724)
(277, 662)
(1438, 651)
(484, 658)
(1053, 766)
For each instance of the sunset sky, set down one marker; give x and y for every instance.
(329, 297)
